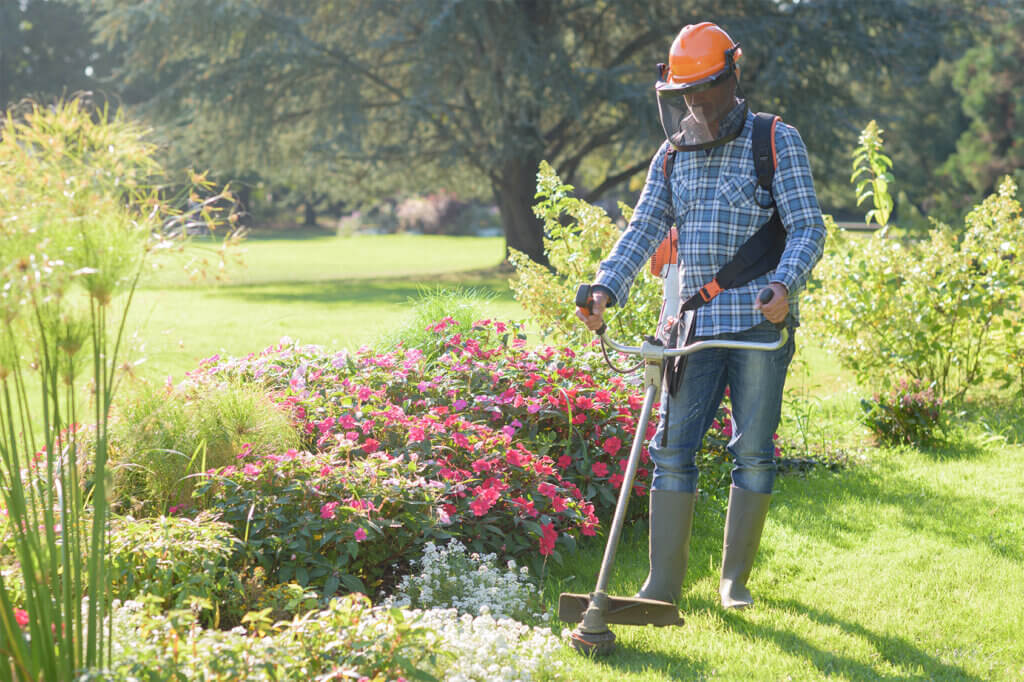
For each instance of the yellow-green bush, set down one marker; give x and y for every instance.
(943, 310)
(578, 237)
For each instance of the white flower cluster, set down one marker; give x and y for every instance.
(449, 577)
(488, 649)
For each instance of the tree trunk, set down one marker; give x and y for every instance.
(309, 214)
(514, 191)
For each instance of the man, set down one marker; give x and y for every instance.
(709, 188)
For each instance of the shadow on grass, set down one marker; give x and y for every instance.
(360, 291)
(970, 521)
(896, 651)
(998, 415)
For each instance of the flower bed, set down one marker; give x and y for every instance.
(529, 446)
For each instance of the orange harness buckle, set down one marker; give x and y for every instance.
(710, 290)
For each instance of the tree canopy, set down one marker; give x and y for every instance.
(46, 50)
(368, 98)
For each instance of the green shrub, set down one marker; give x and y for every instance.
(578, 236)
(178, 560)
(162, 437)
(326, 520)
(462, 306)
(350, 639)
(910, 412)
(937, 310)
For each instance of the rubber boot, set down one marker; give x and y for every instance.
(671, 522)
(744, 522)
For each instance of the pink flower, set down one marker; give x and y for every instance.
(484, 500)
(564, 461)
(251, 470)
(727, 429)
(364, 394)
(547, 539)
(546, 489)
(176, 508)
(327, 511)
(416, 434)
(370, 445)
(359, 535)
(558, 504)
(481, 465)
(460, 440)
(600, 469)
(21, 616)
(325, 470)
(525, 507)
(612, 445)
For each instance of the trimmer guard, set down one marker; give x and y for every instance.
(620, 611)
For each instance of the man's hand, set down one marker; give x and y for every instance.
(595, 320)
(776, 309)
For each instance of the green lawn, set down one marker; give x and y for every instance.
(316, 289)
(908, 565)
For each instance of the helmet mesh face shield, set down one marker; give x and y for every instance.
(697, 89)
(695, 116)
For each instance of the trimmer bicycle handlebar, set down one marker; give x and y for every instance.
(652, 351)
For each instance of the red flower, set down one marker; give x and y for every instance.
(547, 539)
(564, 461)
(612, 445)
(21, 616)
(525, 506)
(558, 504)
(485, 499)
(546, 489)
(600, 469)
(370, 445)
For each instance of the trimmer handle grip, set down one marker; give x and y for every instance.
(766, 295)
(585, 303)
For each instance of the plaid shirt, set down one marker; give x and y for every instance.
(714, 200)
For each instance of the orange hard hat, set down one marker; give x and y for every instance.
(701, 52)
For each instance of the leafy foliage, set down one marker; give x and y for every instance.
(908, 413)
(182, 562)
(414, 97)
(935, 310)
(80, 212)
(161, 437)
(323, 520)
(350, 638)
(870, 162)
(579, 236)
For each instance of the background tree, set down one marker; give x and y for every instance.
(369, 98)
(46, 50)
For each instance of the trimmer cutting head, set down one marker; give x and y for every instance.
(620, 610)
(594, 612)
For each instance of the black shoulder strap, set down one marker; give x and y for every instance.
(762, 252)
(762, 148)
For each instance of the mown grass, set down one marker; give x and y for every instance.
(909, 564)
(315, 288)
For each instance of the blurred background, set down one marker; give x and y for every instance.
(374, 116)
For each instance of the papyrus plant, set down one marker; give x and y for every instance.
(81, 213)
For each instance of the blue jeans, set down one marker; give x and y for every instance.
(755, 380)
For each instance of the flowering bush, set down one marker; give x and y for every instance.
(326, 520)
(528, 444)
(486, 649)
(909, 413)
(448, 577)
